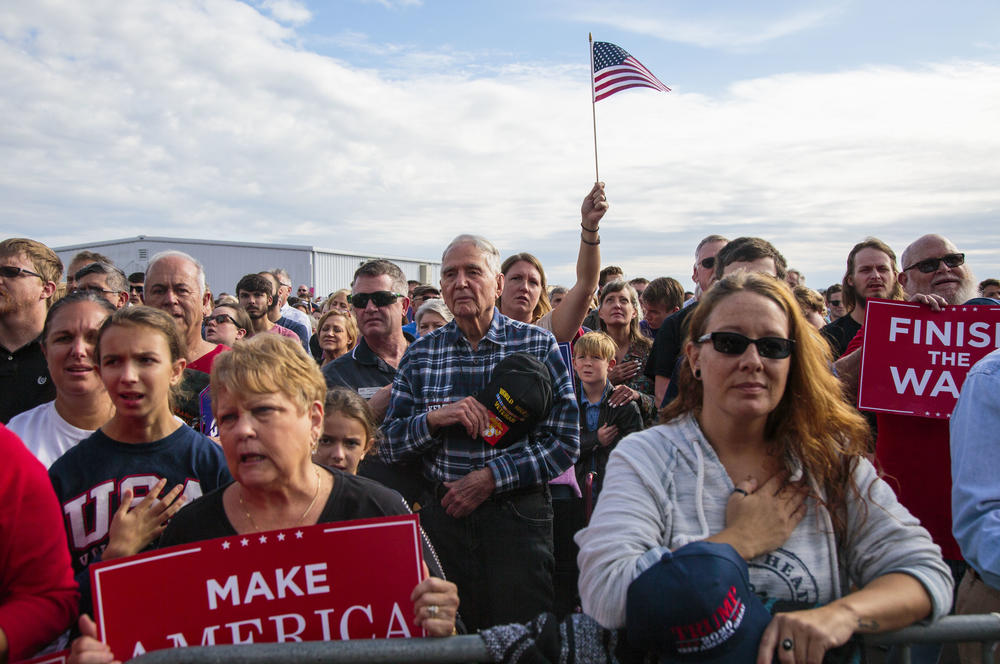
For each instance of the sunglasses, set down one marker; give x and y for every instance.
(708, 263)
(382, 298)
(11, 271)
(929, 265)
(733, 343)
(835, 303)
(219, 319)
(133, 288)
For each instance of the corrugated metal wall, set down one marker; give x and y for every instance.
(225, 263)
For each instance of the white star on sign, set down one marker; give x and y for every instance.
(298, 534)
(225, 545)
(244, 541)
(281, 537)
(263, 539)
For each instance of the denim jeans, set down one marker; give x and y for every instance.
(499, 556)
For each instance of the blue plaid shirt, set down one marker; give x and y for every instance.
(441, 368)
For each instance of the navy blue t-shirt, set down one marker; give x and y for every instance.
(91, 477)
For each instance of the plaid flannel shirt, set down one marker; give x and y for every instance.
(441, 368)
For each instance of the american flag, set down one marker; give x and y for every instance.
(616, 70)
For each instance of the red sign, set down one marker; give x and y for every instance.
(60, 657)
(915, 360)
(347, 580)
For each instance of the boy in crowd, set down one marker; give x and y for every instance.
(601, 426)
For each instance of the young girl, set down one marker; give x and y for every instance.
(349, 431)
(109, 485)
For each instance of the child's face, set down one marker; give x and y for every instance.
(591, 368)
(343, 444)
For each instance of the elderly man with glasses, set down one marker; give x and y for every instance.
(29, 273)
(104, 280)
(913, 451)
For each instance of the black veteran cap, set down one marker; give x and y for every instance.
(518, 397)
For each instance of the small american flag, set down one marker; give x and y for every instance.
(615, 70)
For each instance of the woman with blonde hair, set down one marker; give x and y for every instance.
(618, 316)
(525, 293)
(337, 333)
(760, 451)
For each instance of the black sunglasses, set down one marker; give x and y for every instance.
(708, 263)
(733, 343)
(382, 298)
(11, 271)
(835, 303)
(135, 288)
(220, 319)
(929, 265)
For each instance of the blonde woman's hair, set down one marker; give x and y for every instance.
(268, 364)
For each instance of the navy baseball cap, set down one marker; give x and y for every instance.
(696, 605)
(518, 397)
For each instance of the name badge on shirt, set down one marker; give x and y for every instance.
(368, 392)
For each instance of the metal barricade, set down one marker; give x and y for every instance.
(446, 650)
(983, 628)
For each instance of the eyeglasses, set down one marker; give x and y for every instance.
(11, 271)
(95, 289)
(288, 286)
(733, 343)
(835, 303)
(219, 319)
(135, 288)
(707, 263)
(382, 298)
(929, 265)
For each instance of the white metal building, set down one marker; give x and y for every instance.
(226, 262)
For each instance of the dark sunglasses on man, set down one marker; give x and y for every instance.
(708, 263)
(135, 288)
(835, 303)
(382, 298)
(12, 271)
(929, 265)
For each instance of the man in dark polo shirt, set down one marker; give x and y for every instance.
(29, 273)
(670, 335)
(378, 297)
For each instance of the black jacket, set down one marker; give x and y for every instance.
(594, 456)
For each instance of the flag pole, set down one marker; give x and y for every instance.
(593, 105)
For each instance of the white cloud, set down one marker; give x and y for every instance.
(395, 4)
(731, 30)
(291, 12)
(203, 120)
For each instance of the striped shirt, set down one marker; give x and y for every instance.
(441, 368)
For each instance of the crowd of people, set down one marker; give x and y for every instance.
(567, 449)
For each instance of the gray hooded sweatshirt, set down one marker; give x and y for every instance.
(665, 487)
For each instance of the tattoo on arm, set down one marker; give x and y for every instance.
(867, 625)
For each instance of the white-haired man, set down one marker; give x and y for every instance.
(490, 512)
(175, 283)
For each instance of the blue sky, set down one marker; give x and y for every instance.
(390, 126)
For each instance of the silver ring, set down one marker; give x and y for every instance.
(787, 644)
(739, 490)
(432, 610)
